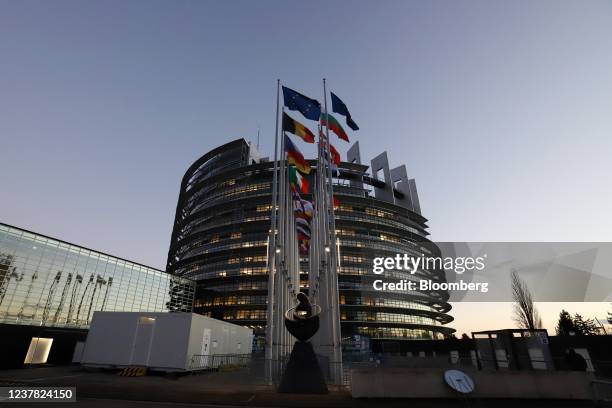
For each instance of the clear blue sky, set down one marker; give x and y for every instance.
(501, 110)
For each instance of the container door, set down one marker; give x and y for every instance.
(205, 352)
(142, 341)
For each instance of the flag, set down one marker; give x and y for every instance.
(335, 155)
(303, 222)
(335, 158)
(335, 171)
(298, 181)
(303, 237)
(302, 225)
(310, 108)
(302, 208)
(303, 230)
(298, 207)
(339, 107)
(295, 157)
(304, 246)
(302, 215)
(331, 122)
(293, 126)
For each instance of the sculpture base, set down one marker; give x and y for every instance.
(303, 374)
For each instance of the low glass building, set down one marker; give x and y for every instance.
(48, 282)
(49, 290)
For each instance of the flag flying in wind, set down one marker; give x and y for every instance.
(298, 181)
(304, 244)
(335, 154)
(293, 126)
(302, 208)
(339, 107)
(303, 214)
(331, 122)
(303, 222)
(335, 158)
(295, 157)
(303, 229)
(310, 108)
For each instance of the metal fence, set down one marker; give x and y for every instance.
(220, 361)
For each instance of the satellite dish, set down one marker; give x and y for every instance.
(459, 381)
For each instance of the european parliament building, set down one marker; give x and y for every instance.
(220, 240)
(49, 290)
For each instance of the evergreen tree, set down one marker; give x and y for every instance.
(565, 325)
(585, 327)
(577, 325)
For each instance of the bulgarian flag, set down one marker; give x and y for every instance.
(298, 181)
(329, 121)
(295, 157)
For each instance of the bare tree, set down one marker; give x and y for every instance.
(526, 316)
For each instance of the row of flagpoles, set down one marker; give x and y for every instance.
(303, 228)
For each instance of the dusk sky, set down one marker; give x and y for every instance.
(501, 110)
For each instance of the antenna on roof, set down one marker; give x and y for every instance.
(257, 137)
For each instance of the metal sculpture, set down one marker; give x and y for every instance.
(303, 374)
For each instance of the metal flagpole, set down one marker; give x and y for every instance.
(313, 274)
(287, 250)
(272, 247)
(333, 273)
(318, 291)
(294, 274)
(283, 248)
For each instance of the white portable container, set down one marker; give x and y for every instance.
(162, 341)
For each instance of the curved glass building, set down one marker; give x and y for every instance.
(220, 240)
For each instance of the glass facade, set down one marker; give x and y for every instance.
(47, 282)
(220, 239)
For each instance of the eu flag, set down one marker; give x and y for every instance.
(310, 108)
(339, 107)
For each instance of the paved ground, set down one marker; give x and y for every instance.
(106, 389)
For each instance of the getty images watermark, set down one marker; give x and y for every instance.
(482, 271)
(412, 264)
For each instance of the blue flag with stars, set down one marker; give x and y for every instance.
(310, 108)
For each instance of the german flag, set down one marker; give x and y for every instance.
(293, 126)
(295, 157)
(333, 125)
